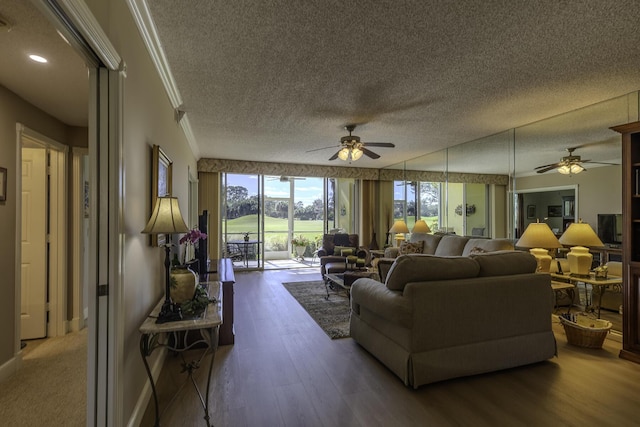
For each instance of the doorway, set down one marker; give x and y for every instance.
(43, 212)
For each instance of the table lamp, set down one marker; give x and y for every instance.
(421, 227)
(399, 228)
(579, 235)
(538, 237)
(166, 219)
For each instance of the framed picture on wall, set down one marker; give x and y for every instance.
(531, 211)
(3, 184)
(161, 175)
(554, 211)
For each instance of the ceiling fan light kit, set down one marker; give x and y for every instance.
(569, 165)
(570, 169)
(351, 148)
(350, 153)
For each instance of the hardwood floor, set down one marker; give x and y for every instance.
(283, 370)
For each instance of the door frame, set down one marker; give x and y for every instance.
(57, 263)
(518, 212)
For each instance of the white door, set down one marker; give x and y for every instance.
(34, 217)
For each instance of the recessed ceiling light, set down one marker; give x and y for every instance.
(38, 58)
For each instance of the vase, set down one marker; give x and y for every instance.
(183, 284)
(300, 251)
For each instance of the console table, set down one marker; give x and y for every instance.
(183, 335)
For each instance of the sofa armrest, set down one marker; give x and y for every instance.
(332, 258)
(322, 252)
(377, 298)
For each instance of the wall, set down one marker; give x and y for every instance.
(599, 189)
(14, 110)
(476, 194)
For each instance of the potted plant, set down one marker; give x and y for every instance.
(300, 244)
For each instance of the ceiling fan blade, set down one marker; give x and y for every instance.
(335, 156)
(601, 163)
(552, 165)
(547, 169)
(323, 148)
(379, 144)
(369, 153)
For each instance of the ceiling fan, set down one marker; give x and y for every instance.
(352, 148)
(285, 178)
(569, 164)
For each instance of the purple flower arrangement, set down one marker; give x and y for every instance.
(192, 237)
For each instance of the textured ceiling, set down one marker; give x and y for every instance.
(270, 80)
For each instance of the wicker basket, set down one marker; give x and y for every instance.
(586, 331)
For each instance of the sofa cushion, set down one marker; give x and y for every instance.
(422, 268)
(430, 241)
(411, 247)
(505, 263)
(451, 245)
(488, 245)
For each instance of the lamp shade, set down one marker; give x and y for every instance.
(580, 234)
(538, 235)
(421, 227)
(166, 217)
(399, 226)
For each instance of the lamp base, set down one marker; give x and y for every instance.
(543, 258)
(579, 261)
(170, 312)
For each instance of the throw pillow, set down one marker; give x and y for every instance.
(411, 247)
(476, 250)
(343, 250)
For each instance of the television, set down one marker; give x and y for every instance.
(610, 228)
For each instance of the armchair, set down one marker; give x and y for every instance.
(338, 249)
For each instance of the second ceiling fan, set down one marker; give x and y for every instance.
(569, 164)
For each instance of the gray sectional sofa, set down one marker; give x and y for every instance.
(437, 318)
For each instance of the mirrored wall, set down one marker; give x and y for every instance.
(481, 180)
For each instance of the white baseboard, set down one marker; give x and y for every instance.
(10, 367)
(76, 324)
(147, 394)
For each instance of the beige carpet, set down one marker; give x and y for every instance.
(50, 389)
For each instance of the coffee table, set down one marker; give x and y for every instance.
(337, 281)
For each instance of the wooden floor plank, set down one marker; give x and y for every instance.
(283, 370)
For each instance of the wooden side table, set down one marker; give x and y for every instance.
(183, 335)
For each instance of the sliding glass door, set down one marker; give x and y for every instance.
(261, 214)
(241, 220)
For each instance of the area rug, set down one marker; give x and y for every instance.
(331, 315)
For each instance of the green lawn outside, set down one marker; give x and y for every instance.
(276, 230)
